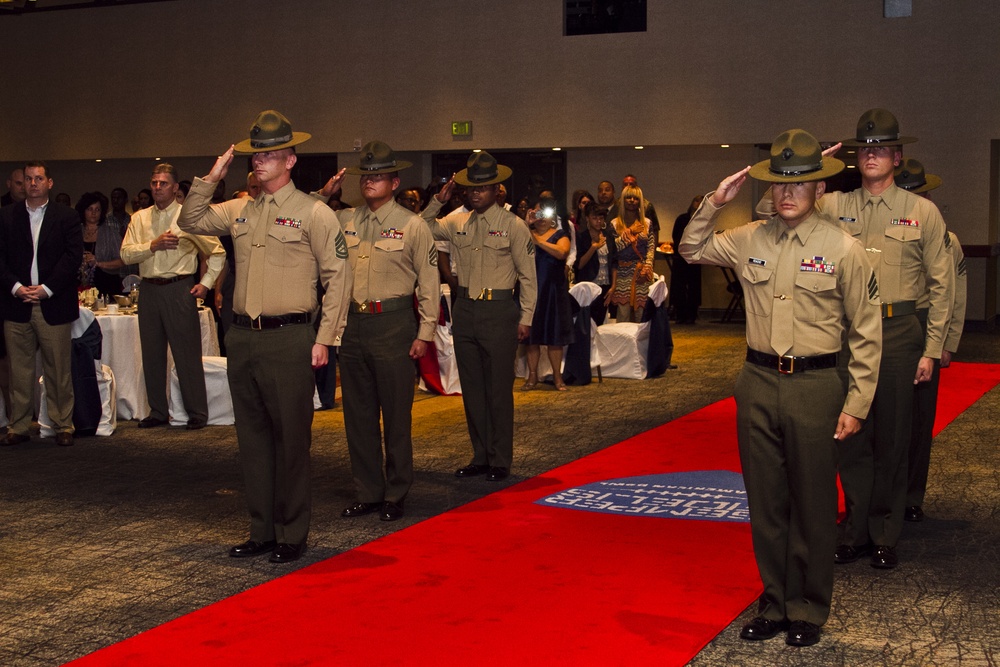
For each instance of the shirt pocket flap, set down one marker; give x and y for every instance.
(816, 282)
(497, 242)
(285, 234)
(754, 274)
(903, 233)
(389, 245)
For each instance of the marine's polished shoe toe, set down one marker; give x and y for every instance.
(391, 511)
(802, 633)
(496, 474)
(472, 470)
(196, 424)
(762, 628)
(845, 553)
(914, 513)
(64, 439)
(884, 558)
(287, 553)
(252, 548)
(360, 509)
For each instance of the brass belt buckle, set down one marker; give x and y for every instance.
(786, 365)
(887, 310)
(363, 306)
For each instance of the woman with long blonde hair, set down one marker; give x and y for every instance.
(635, 256)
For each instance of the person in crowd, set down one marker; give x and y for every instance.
(63, 198)
(493, 252)
(168, 264)
(597, 262)
(15, 188)
(455, 207)
(41, 244)
(635, 257)
(800, 314)
(580, 200)
(287, 244)
(144, 199)
(911, 176)
(685, 279)
(183, 188)
(552, 322)
(101, 247)
(502, 197)
(630, 181)
(118, 219)
(521, 210)
(409, 199)
(606, 198)
(390, 250)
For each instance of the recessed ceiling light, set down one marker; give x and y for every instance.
(556, 148)
(639, 148)
(97, 160)
(477, 150)
(724, 146)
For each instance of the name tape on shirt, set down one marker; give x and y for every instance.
(288, 222)
(350, 233)
(757, 262)
(818, 265)
(905, 222)
(240, 220)
(391, 233)
(844, 219)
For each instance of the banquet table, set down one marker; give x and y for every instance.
(121, 351)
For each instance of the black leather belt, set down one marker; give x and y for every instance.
(271, 321)
(486, 295)
(382, 305)
(788, 365)
(899, 309)
(166, 281)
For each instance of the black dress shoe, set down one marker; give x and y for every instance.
(472, 470)
(287, 553)
(762, 628)
(845, 553)
(252, 548)
(360, 509)
(16, 438)
(496, 474)
(152, 422)
(884, 558)
(195, 424)
(914, 513)
(64, 439)
(391, 511)
(802, 633)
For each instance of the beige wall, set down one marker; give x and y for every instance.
(186, 78)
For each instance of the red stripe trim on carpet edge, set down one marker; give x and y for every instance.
(503, 580)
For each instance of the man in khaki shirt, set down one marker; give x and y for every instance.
(808, 288)
(493, 251)
(910, 176)
(168, 264)
(390, 250)
(286, 242)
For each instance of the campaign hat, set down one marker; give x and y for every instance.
(796, 157)
(910, 176)
(271, 131)
(878, 127)
(482, 169)
(378, 158)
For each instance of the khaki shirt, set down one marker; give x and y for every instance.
(957, 323)
(831, 288)
(150, 223)
(904, 236)
(302, 245)
(492, 251)
(391, 250)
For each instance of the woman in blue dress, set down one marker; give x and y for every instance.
(552, 324)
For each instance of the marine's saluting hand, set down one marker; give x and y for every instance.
(729, 187)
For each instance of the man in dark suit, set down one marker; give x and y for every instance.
(41, 247)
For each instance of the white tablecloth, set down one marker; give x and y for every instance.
(123, 353)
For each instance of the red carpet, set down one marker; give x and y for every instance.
(504, 580)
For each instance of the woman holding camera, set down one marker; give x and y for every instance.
(597, 257)
(552, 324)
(636, 246)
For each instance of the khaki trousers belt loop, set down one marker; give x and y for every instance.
(382, 305)
(787, 364)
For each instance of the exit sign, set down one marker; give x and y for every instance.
(461, 128)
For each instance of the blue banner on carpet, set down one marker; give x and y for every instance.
(706, 495)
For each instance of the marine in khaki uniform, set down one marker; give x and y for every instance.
(390, 251)
(910, 176)
(904, 236)
(808, 287)
(285, 243)
(493, 252)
